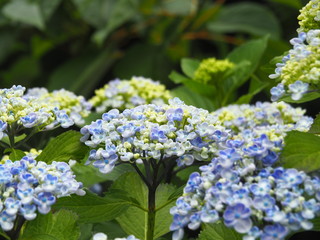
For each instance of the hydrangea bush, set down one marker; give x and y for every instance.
(154, 167)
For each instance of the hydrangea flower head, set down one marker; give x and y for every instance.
(39, 109)
(309, 17)
(123, 94)
(300, 69)
(242, 185)
(174, 131)
(212, 69)
(28, 186)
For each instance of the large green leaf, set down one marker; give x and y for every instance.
(58, 226)
(133, 221)
(192, 98)
(93, 209)
(121, 12)
(48, 7)
(95, 12)
(112, 229)
(256, 86)
(305, 98)
(15, 154)
(64, 147)
(315, 127)
(189, 66)
(90, 175)
(250, 51)
(179, 7)
(301, 151)
(24, 11)
(248, 17)
(218, 231)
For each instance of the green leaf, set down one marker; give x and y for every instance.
(64, 147)
(292, 3)
(121, 12)
(316, 224)
(305, 98)
(4, 235)
(133, 221)
(92, 208)
(301, 151)
(112, 229)
(256, 86)
(24, 11)
(189, 66)
(179, 7)
(48, 7)
(85, 231)
(218, 231)
(58, 226)
(95, 12)
(15, 154)
(192, 98)
(251, 51)
(178, 78)
(315, 127)
(90, 175)
(247, 17)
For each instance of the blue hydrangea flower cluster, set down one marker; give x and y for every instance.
(241, 185)
(40, 109)
(173, 131)
(102, 236)
(299, 71)
(267, 204)
(28, 186)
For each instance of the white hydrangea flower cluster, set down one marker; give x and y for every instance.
(123, 94)
(39, 109)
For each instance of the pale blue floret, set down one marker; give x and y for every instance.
(298, 89)
(274, 232)
(277, 92)
(238, 216)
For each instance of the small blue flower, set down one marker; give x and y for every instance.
(238, 216)
(298, 89)
(274, 232)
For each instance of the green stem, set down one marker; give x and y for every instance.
(151, 213)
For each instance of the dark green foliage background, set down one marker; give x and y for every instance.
(75, 43)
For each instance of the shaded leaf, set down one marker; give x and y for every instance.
(192, 98)
(90, 175)
(305, 98)
(92, 208)
(315, 127)
(133, 221)
(122, 11)
(301, 151)
(292, 3)
(189, 66)
(58, 226)
(218, 231)
(179, 7)
(64, 147)
(24, 11)
(248, 17)
(16, 154)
